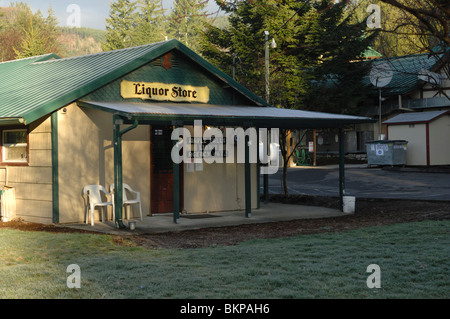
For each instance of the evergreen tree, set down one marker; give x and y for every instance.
(244, 42)
(51, 32)
(25, 33)
(151, 23)
(316, 45)
(187, 22)
(121, 25)
(32, 43)
(311, 67)
(338, 43)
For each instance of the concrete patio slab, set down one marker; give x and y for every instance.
(270, 212)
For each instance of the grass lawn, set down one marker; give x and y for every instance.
(413, 259)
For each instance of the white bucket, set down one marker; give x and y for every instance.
(132, 225)
(349, 204)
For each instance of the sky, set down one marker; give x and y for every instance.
(92, 12)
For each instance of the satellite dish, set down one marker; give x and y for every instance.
(381, 75)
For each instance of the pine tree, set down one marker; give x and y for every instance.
(311, 67)
(187, 22)
(32, 43)
(245, 41)
(50, 32)
(151, 23)
(337, 80)
(27, 34)
(121, 25)
(314, 42)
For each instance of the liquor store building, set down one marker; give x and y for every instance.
(107, 119)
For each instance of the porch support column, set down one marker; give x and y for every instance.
(266, 176)
(258, 173)
(341, 167)
(248, 193)
(118, 178)
(55, 168)
(176, 187)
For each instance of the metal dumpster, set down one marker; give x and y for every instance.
(386, 152)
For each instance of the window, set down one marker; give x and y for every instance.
(14, 146)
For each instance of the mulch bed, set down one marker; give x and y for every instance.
(369, 212)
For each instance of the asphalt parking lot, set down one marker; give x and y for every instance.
(364, 182)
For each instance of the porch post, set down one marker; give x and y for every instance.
(118, 179)
(258, 173)
(176, 187)
(248, 193)
(341, 167)
(55, 168)
(266, 176)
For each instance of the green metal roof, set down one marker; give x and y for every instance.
(34, 87)
(405, 72)
(223, 114)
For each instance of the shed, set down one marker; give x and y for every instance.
(107, 118)
(427, 135)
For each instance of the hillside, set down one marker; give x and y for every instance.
(80, 41)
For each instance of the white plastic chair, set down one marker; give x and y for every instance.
(95, 199)
(127, 201)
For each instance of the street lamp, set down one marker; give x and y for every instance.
(266, 34)
(274, 45)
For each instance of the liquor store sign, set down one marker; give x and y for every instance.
(164, 92)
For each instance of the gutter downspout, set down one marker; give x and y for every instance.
(118, 178)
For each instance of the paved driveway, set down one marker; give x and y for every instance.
(365, 182)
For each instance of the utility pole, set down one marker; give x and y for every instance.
(266, 34)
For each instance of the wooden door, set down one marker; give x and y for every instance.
(162, 170)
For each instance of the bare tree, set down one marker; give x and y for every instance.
(288, 154)
(429, 19)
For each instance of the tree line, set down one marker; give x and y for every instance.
(132, 23)
(313, 45)
(317, 42)
(24, 33)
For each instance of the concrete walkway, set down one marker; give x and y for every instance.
(271, 212)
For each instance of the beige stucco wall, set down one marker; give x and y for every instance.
(416, 136)
(33, 183)
(439, 133)
(86, 156)
(219, 187)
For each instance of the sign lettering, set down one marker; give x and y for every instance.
(164, 92)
